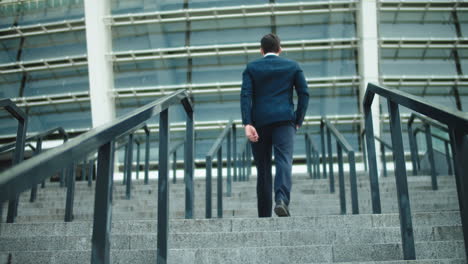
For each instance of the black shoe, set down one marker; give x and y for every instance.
(281, 209)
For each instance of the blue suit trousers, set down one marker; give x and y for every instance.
(280, 138)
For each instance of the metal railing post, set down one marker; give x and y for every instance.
(125, 168)
(308, 158)
(413, 148)
(341, 178)
(138, 161)
(249, 160)
(234, 152)
(128, 187)
(416, 147)
(174, 167)
(90, 172)
(330, 160)
(70, 194)
(102, 224)
(406, 224)
(163, 188)
(324, 157)
(209, 164)
(353, 182)
(63, 174)
(244, 165)
(34, 188)
(147, 154)
(430, 152)
(83, 170)
(364, 151)
(240, 167)
(383, 158)
(460, 152)
(317, 165)
(228, 166)
(189, 166)
(447, 156)
(372, 160)
(220, 183)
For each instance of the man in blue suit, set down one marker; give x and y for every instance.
(271, 122)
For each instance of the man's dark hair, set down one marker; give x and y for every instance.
(270, 43)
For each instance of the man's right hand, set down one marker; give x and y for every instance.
(251, 133)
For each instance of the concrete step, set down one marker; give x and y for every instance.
(316, 236)
(449, 252)
(297, 223)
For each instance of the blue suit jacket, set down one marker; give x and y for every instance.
(267, 92)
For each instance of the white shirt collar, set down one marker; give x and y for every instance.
(270, 53)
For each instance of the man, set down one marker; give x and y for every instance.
(270, 121)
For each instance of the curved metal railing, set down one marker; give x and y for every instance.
(22, 176)
(341, 145)
(228, 134)
(312, 157)
(457, 123)
(427, 124)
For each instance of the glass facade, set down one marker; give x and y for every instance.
(203, 46)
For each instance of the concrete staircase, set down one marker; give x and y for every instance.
(315, 234)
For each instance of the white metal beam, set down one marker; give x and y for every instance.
(42, 29)
(100, 68)
(367, 22)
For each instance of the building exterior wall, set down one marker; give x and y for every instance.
(203, 46)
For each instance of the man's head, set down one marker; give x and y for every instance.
(270, 43)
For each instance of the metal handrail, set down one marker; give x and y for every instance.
(427, 123)
(446, 141)
(40, 137)
(18, 156)
(383, 155)
(173, 152)
(36, 169)
(312, 157)
(457, 123)
(341, 144)
(228, 134)
(245, 161)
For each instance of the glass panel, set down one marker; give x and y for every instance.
(34, 12)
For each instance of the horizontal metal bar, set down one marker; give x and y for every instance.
(383, 142)
(179, 52)
(44, 64)
(175, 147)
(42, 28)
(229, 49)
(220, 139)
(41, 135)
(17, 179)
(440, 113)
(426, 120)
(220, 124)
(312, 145)
(338, 136)
(153, 91)
(423, 43)
(242, 11)
(13, 109)
(421, 129)
(422, 6)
